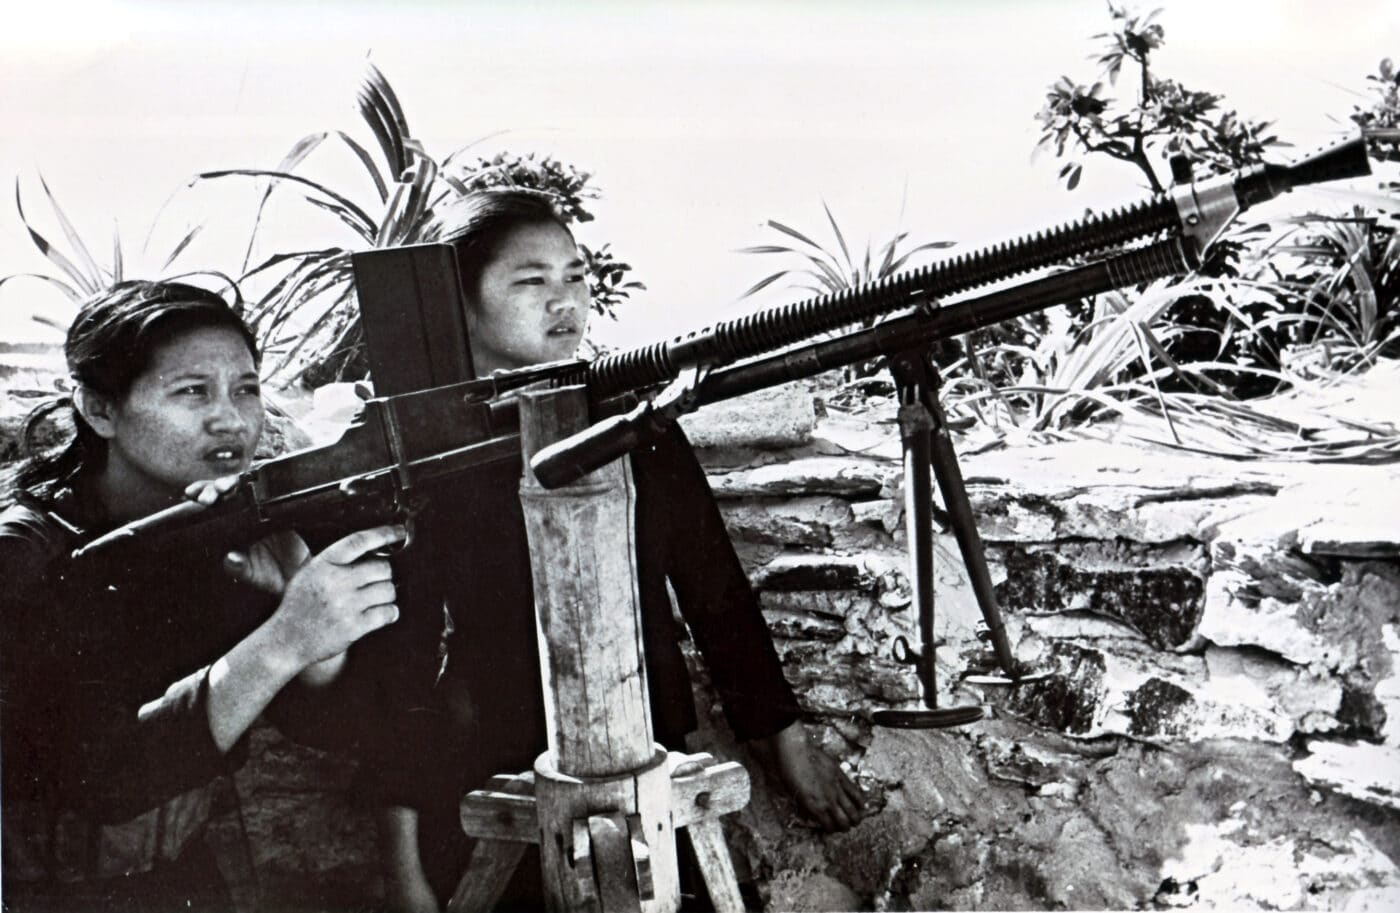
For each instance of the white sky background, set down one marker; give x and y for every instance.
(699, 121)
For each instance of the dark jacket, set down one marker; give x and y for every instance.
(487, 702)
(108, 758)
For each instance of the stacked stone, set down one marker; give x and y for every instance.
(1217, 723)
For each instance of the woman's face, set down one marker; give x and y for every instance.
(195, 413)
(532, 301)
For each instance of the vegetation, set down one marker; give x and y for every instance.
(79, 274)
(1165, 121)
(1292, 306)
(823, 271)
(1380, 120)
(302, 303)
(1283, 308)
(305, 311)
(1286, 308)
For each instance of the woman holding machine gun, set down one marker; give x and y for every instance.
(128, 690)
(527, 297)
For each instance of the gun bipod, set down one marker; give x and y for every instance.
(927, 446)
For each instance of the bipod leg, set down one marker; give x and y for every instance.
(964, 525)
(918, 425)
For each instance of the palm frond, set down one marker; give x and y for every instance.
(330, 312)
(897, 265)
(833, 279)
(389, 102)
(376, 112)
(388, 224)
(365, 226)
(411, 219)
(117, 268)
(367, 160)
(763, 283)
(294, 157)
(179, 248)
(73, 294)
(794, 233)
(85, 285)
(301, 256)
(95, 274)
(299, 287)
(767, 249)
(887, 253)
(840, 239)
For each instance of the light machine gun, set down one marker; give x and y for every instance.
(386, 465)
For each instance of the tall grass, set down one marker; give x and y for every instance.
(79, 275)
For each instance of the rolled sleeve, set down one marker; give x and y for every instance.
(136, 760)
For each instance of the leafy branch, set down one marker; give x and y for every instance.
(1166, 121)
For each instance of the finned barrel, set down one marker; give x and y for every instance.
(1198, 211)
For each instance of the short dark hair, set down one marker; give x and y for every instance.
(110, 344)
(481, 220)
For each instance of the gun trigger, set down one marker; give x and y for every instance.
(406, 520)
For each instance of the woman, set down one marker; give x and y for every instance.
(127, 690)
(526, 289)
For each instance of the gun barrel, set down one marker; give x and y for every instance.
(306, 481)
(1344, 160)
(777, 328)
(569, 459)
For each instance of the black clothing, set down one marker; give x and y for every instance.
(108, 756)
(486, 710)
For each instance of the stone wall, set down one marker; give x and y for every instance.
(1219, 720)
(1218, 723)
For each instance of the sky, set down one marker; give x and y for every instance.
(699, 121)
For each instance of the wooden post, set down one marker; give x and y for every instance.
(606, 801)
(603, 787)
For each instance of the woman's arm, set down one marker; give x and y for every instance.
(332, 601)
(129, 758)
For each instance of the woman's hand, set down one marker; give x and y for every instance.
(208, 491)
(333, 600)
(271, 561)
(339, 596)
(815, 780)
(275, 560)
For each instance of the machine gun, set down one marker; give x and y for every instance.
(387, 464)
(1178, 226)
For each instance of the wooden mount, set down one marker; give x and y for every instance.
(582, 558)
(605, 842)
(605, 800)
